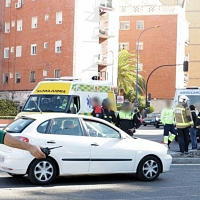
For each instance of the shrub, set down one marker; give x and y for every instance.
(8, 108)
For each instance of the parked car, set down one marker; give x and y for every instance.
(158, 122)
(87, 144)
(151, 119)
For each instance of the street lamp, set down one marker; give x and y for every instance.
(138, 51)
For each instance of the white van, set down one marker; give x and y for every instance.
(50, 95)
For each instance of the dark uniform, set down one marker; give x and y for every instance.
(109, 115)
(2, 135)
(97, 112)
(127, 120)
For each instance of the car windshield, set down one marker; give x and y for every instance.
(18, 125)
(154, 115)
(46, 103)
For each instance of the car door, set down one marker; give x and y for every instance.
(74, 155)
(109, 152)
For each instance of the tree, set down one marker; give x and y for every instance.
(126, 73)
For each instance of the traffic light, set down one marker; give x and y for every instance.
(185, 66)
(148, 104)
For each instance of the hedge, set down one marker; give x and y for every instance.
(8, 109)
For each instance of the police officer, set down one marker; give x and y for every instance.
(167, 118)
(9, 140)
(97, 110)
(108, 114)
(183, 123)
(127, 120)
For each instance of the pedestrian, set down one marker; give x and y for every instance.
(127, 120)
(97, 110)
(9, 140)
(193, 130)
(108, 113)
(184, 121)
(167, 118)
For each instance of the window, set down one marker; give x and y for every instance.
(19, 25)
(8, 3)
(5, 78)
(44, 73)
(66, 126)
(18, 125)
(59, 18)
(12, 49)
(57, 73)
(46, 45)
(46, 17)
(140, 46)
(11, 75)
(58, 45)
(140, 25)
(33, 49)
(6, 52)
(17, 77)
(42, 128)
(34, 22)
(7, 27)
(124, 45)
(124, 25)
(97, 129)
(18, 51)
(13, 24)
(32, 76)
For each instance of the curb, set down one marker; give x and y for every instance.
(185, 160)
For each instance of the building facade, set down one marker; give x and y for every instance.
(159, 46)
(193, 48)
(45, 39)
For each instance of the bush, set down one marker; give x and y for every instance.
(8, 108)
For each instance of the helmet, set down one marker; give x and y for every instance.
(106, 102)
(183, 99)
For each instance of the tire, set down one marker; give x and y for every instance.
(42, 178)
(17, 175)
(157, 126)
(144, 125)
(145, 174)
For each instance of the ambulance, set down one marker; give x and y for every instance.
(193, 93)
(67, 95)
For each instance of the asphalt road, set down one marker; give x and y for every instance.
(181, 182)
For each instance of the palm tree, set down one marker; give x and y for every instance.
(126, 73)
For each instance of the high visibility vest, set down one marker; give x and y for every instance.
(126, 115)
(199, 120)
(181, 118)
(167, 116)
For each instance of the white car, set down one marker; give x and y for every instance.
(89, 146)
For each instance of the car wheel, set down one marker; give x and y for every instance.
(149, 169)
(157, 126)
(144, 124)
(17, 175)
(42, 171)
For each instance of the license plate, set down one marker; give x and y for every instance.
(147, 121)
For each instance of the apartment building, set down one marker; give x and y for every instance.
(43, 39)
(158, 46)
(193, 48)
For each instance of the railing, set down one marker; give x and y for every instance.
(106, 59)
(106, 3)
(105, 32)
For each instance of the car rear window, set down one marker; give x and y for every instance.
(18, 125)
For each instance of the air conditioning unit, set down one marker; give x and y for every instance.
(35, 25)
(17, 5)
(60, 22)
(7, 30)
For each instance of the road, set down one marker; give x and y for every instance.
(181, 182)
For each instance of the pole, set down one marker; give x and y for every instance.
(152, 73)
(138, 52)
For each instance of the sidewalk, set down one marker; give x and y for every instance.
(192, 158)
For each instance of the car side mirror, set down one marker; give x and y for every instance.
(122, 137)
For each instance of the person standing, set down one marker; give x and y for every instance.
(167, 118)
(97, 110)
(193, 130)
(184, 121)
(127, 120)
(108, 114)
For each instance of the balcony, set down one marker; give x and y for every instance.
(105, 33)
(106, 5)
(106, 59)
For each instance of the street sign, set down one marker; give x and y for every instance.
(120, 99)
